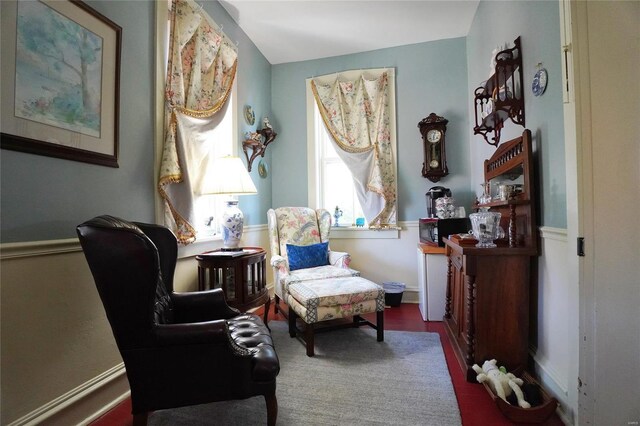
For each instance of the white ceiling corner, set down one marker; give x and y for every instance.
(298, 30)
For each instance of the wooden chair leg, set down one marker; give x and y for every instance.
(309, 340)
(140, 419)
(276, 299)
(266, 313)
(292, 323)
(272, 409)
(380, 325)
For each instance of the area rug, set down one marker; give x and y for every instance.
(352, 380)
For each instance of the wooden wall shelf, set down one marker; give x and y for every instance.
(501, 97)
(257, 143)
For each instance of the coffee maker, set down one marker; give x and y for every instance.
(432, 195)
(432, 229)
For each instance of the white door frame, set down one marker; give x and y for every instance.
(580, 201)
(604, 46)
(573, 163)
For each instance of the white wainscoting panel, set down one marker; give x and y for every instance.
(59, 359)
(557, 323)
(60, 362)
(383, 259)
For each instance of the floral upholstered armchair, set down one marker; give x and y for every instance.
(302, 226)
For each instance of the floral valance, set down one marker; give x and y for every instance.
(200, 72)
(356, 112)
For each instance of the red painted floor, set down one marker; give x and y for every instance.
(476, 406)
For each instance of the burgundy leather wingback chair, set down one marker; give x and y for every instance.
(178, 348)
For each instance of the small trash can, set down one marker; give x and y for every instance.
(393, 293)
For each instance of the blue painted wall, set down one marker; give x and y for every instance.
(254, 88)
(45, 198)
(538, 25)
(430, 77)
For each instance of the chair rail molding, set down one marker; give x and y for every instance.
(75, 396)
(549, 232)
(38, 248)
(71, 245)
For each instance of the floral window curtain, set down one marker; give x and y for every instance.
(357, 115)
(200, 73)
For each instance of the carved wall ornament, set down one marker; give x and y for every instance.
(257, 142)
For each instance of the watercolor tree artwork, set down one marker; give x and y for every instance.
(61, 89)
(58, 70)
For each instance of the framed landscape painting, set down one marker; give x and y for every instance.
(60, 80)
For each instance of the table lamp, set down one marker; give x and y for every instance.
(228, 175)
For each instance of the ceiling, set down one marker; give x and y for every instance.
(299, 30)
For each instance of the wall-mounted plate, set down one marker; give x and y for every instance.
(249, 115)
(263, 171)
(539, 84)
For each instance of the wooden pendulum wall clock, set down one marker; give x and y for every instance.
(433, 130)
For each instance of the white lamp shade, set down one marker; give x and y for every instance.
(227, 175)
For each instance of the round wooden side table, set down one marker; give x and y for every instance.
(242, 276)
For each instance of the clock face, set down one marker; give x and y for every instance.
(434, 136)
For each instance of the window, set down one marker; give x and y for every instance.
(220, 136)
(335, 184)
(209, 208)
(330, 181)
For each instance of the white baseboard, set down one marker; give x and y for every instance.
(549, 380)
(550, 377)
(76, 397)
(410, 296)
(105, 409)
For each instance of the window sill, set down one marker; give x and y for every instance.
(200, 246)
(352, 232)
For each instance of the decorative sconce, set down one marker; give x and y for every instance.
(258, 142)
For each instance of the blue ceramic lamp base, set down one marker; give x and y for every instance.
(232, 224)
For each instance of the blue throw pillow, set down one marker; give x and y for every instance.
(301, 257)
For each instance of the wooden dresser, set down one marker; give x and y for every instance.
(488, 289)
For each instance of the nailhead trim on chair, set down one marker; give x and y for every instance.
(247, 333)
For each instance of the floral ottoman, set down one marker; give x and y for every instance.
(314, 301)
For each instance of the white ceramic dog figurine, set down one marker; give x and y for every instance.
(502, 384)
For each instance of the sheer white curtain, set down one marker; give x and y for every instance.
(200, 72)
(356, 110)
